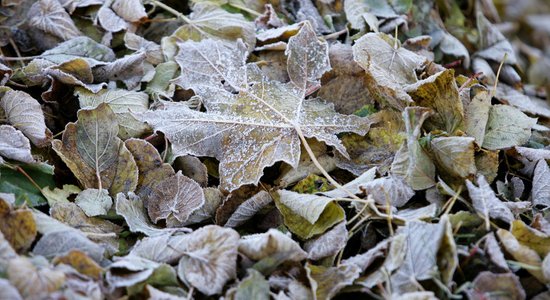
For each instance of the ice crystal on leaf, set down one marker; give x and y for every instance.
(251, 122)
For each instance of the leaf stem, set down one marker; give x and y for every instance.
(172, 11)
(320, 167)
(248, 10)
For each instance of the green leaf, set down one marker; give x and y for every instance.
(16, 183)
(254, 286)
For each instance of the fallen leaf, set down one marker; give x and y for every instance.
(327, 244)
(211, 22)
(248, 209)
(94, 153)
(389, 67)
(130, 10)
(530, 237)
(308, 215)
(254, 286)
(486, 203)
(454, 156)
(540, 193)
(411, 162)
(507, 127)
(81, 262)
(275, 115)
(210, 258)
(32, 278)
(14, 145)
(270, 244)
(25, 114)
(50, 17)
(327, 282)
(62, 242)
(440, 93)
(488, 284)
(131, 208)
(522, 254)
(17, 225)
(94, 202)
(178, 196)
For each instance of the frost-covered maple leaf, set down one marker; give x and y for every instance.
(250, 121)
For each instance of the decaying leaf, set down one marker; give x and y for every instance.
(210, 258)
(308, 215)
(270, 244)
(34, 278)
(248, 209)
(178, 196)
(211, 22)
(25, 114)
(326, 282)
(540, 194)
(94, 153)
(389, 67)
(522, 254)
(94, 202)
(486, 203)
(17, 225)
(487, 284)
(327, 244)
(14, 145)
(412, 162)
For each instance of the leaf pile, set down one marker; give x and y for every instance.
(241, 149)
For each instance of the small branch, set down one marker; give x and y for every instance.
(248, 10)
(10, 58)
(335, 35)
(172, 11)
(498, 74)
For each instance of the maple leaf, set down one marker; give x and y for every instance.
(251, 122)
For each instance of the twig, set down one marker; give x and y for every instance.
(172, 11)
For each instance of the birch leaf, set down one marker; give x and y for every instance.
(94, 202)
(210, 258)
(248, 209)
(327, 282)
(176, 196)
(17, 225)
(305, 208)
(540, 194)
(254, 286)
(454, 156)
(411, 162)
(269, 244)
(389, 190)
(150, 166)
(211, 22)
(389, 67)
(487, 284)
(25, 114)
(327, 244)
(530, 237)
(94, 153)
(522, 254)
(34, 281)
(486, 203)
(253, 122)
(14, 145)
(477, 113)
(440, 93)
(130, 10)
(424, 242)
(507, 127)
(131, 208)
(50, 17)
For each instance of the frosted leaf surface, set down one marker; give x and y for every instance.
(251, 122)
